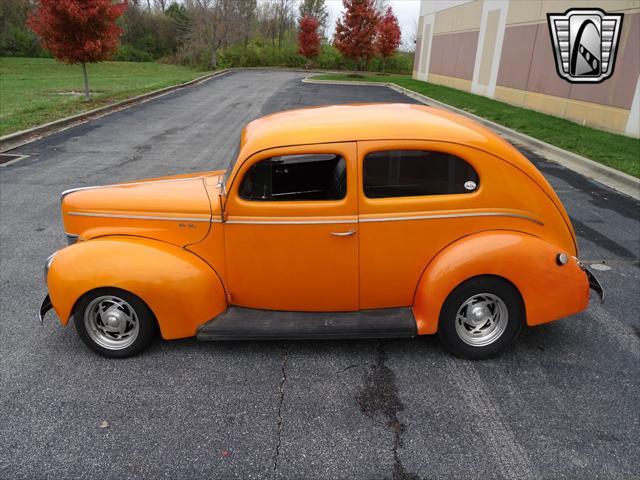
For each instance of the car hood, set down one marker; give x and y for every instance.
(174, 209)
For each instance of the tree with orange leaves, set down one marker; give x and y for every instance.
(78, 31)
(308, 38)
(388, 34)
(356, 31)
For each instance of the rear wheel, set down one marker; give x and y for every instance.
(481, 318)
(113, 322)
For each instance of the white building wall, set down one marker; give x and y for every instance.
(488, 6)
(428, 10)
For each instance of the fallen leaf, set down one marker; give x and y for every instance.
(104, 424)
(225, 453)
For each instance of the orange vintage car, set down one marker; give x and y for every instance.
(376, 220)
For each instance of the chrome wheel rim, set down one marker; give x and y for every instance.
(481, 319)
(111, 322)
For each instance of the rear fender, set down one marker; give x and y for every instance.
(181, 290)
(549, 291)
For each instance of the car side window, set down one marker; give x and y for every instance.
(409, 173)
(296, 177)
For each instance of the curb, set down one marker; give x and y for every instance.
(17, 139)
(612, 178)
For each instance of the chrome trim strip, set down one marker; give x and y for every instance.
(383, 219)
(71, 190)
(312, 222)
(139, 217)
(291, 222)
(47, 266)
(452, 215)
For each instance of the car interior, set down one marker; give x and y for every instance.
(296, 177)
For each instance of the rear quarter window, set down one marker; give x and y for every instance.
(410, 173)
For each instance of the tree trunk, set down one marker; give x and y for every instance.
(87, 95)
(384, 60)
(213, 63)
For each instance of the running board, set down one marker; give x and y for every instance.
(238, 323)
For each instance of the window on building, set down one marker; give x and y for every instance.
(296, 177)
(409, 173)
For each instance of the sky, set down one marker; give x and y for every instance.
(406, 10)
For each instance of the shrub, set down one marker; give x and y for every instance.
(191, 54)
(400, 62)
(16, 41)
(261, 53)
(331, 59)
(129, 53)
(257, 54)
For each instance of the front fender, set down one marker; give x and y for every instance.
(549, 291)
(181, 290)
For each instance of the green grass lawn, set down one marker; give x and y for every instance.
(617, 151)
(34, 91)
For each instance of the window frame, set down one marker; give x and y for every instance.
(235, 207)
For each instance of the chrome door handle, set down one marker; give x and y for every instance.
(348, 233)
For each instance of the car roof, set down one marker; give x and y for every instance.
(371, 121)
(380, 121)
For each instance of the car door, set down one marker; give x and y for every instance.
(291, 229)
(416, 197)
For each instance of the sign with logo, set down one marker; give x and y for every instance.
(585, 43)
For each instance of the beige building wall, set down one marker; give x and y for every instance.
(502, 49)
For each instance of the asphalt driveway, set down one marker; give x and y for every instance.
(562, 403)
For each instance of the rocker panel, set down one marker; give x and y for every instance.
(238, 323)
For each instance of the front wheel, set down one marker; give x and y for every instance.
(481, 318)
(114, 322)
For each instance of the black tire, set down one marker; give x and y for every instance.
(134, 308)
(475, 288)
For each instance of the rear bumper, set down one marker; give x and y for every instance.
(594, 284)
(44, 308)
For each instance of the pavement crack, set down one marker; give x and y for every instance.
(350, 367)
(379, 400)
(276, 456)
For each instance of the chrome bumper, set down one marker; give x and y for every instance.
(594, 284)
(44, 308)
